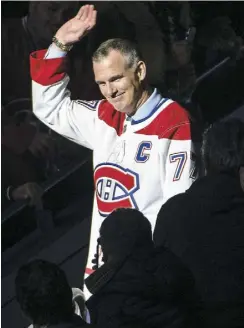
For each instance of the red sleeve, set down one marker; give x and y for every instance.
(47, 71)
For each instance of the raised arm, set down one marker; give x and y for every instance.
(51, 98)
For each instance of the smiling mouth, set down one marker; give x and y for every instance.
(117, 97)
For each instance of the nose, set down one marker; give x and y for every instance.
(111, 90)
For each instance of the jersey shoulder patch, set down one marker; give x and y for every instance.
(91, 104)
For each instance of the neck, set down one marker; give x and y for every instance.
(144, 96)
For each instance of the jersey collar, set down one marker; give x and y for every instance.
(147, 109)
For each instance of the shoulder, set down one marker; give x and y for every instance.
(110, 116)
(171, 212)
(172, 118)
(105, 109)
(170, 121)
(173, 205)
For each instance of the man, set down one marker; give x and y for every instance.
(45, 297)
(141, 141)
(204, 226)
(138, 285)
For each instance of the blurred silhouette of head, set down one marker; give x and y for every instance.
(43, 292)
(123, 232)
(223, 147)
(46, 17)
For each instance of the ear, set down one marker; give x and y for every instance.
(141, 71)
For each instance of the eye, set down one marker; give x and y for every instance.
(116, 78)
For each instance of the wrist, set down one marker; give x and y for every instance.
(61, 39)
(61, 44)
(55, 48)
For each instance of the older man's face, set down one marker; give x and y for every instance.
(120, 85)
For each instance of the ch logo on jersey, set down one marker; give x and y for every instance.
(115, 187)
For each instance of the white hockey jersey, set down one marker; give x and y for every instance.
(139, 162)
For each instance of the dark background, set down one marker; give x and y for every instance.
(14, 8)
(204, 11)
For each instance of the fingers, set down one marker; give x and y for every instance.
(76, 28)
(88, 15)
(80, 12)
(91, 17)
(90, 11)
(85, 12)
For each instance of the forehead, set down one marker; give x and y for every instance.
(114, 63)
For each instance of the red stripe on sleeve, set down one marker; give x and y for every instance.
(47, 71)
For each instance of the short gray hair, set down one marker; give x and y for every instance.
(127, 48)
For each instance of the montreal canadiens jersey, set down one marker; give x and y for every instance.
(139, 161)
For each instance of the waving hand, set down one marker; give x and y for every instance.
(76, 28)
